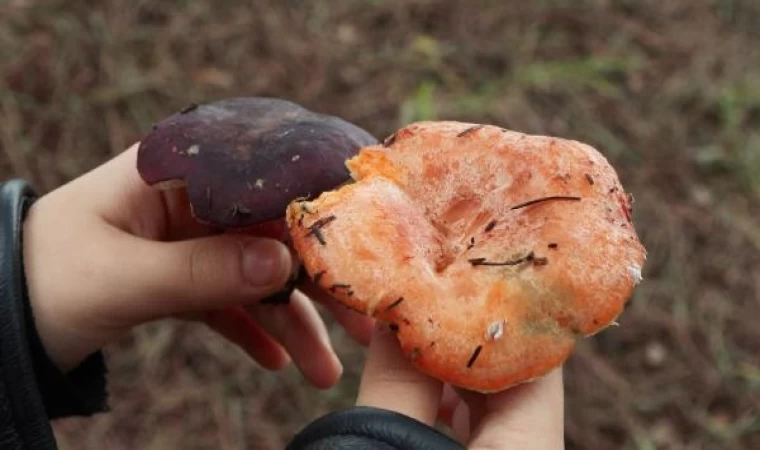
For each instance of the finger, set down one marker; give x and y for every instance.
(359, 327)
(475, 402)
(460, 422)
(528, 416)
(159, 279)
(449, 402)
(390, 381)
(299, 328)
(239, 328)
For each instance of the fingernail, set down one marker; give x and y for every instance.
(265, 262)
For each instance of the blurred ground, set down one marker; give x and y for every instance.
(669, 90)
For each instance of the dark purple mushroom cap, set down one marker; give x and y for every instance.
(243, 160)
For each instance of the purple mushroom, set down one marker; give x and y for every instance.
(242, 160)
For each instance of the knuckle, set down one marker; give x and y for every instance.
(213, 264)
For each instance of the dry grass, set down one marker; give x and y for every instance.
(668, 89)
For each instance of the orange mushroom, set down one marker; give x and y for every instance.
(489, 252)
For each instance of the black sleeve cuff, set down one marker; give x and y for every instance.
(35, 389)
(370, 429)
(80, 392)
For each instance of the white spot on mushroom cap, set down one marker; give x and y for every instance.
(295, 158)
(193, 150)
(495, 330)
(635, 271)
(260, 183)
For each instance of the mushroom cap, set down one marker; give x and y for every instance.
(489, 252)
(243, 160)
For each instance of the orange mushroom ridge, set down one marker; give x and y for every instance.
(489, 252)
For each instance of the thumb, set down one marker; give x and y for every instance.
(170, 278)
(529, 416)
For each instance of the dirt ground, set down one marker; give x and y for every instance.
(669, 90)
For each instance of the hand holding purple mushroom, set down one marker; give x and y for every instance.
(123, 253)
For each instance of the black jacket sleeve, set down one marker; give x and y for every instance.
(370, 429)
(32, 389)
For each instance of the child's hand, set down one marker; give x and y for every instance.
(107, 252)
